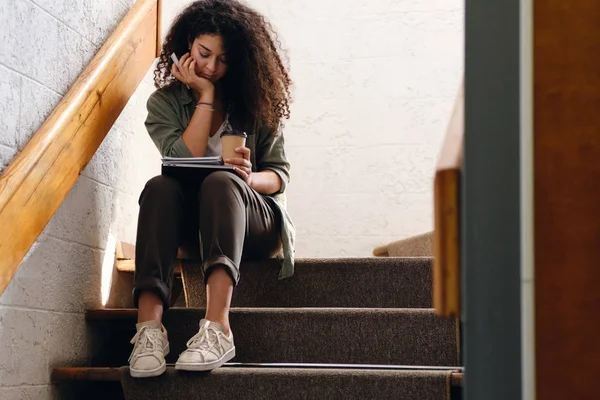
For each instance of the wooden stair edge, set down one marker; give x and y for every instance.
(125, 258)
(407, 242)
(108, 374)
(457, 379)
(381, 251)
(129, 266)
(125, 251)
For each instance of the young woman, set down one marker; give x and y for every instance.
(229, 75)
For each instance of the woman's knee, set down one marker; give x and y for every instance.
(161, 186)
(162, 182)
(220, 183)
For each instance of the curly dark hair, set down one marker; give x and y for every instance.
(256, 87)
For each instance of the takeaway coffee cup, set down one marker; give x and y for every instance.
(230, 140)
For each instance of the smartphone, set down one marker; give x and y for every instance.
(176, 61)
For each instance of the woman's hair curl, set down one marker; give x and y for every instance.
(256, 87)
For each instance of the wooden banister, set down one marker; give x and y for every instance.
(158, 28)
(37, 181)
(446, 237)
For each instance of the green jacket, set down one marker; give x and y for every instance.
(170, 111)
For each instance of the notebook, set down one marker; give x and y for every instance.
(193, 160)
(193, 169)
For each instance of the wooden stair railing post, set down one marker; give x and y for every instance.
(39, 178)
(446, 275)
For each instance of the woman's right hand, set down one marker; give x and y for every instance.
(185, 72)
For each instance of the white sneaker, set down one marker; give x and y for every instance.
(151, 345)
(208, 349)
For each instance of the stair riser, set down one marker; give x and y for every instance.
(400, 337)
(289, 385)
(356, 283)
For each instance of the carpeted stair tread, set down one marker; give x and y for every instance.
(279, 383)
(339, 282)
(293, 335)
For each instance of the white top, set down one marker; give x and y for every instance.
(213, 147)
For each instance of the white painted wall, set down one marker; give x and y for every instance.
(46, 44)
(375, 82)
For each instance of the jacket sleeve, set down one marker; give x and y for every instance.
(164, 127)
(270, 155)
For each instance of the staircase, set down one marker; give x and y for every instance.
(338, 329)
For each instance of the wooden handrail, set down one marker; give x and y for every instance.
(446, 237)
(37, 181)
(158, 28)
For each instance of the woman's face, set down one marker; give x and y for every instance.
(209, 53)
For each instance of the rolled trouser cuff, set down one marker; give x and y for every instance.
(221, 261)
(154, 285)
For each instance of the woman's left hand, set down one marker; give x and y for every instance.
(242, 166)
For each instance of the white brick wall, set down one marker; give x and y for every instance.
(375, 81)
(46, 44)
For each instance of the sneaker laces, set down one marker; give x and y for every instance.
(147, 341)
(205, 340)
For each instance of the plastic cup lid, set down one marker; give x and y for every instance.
(234, 133)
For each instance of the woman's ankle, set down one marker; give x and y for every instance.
(152, 324)
(224, 322)
(150, 307)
